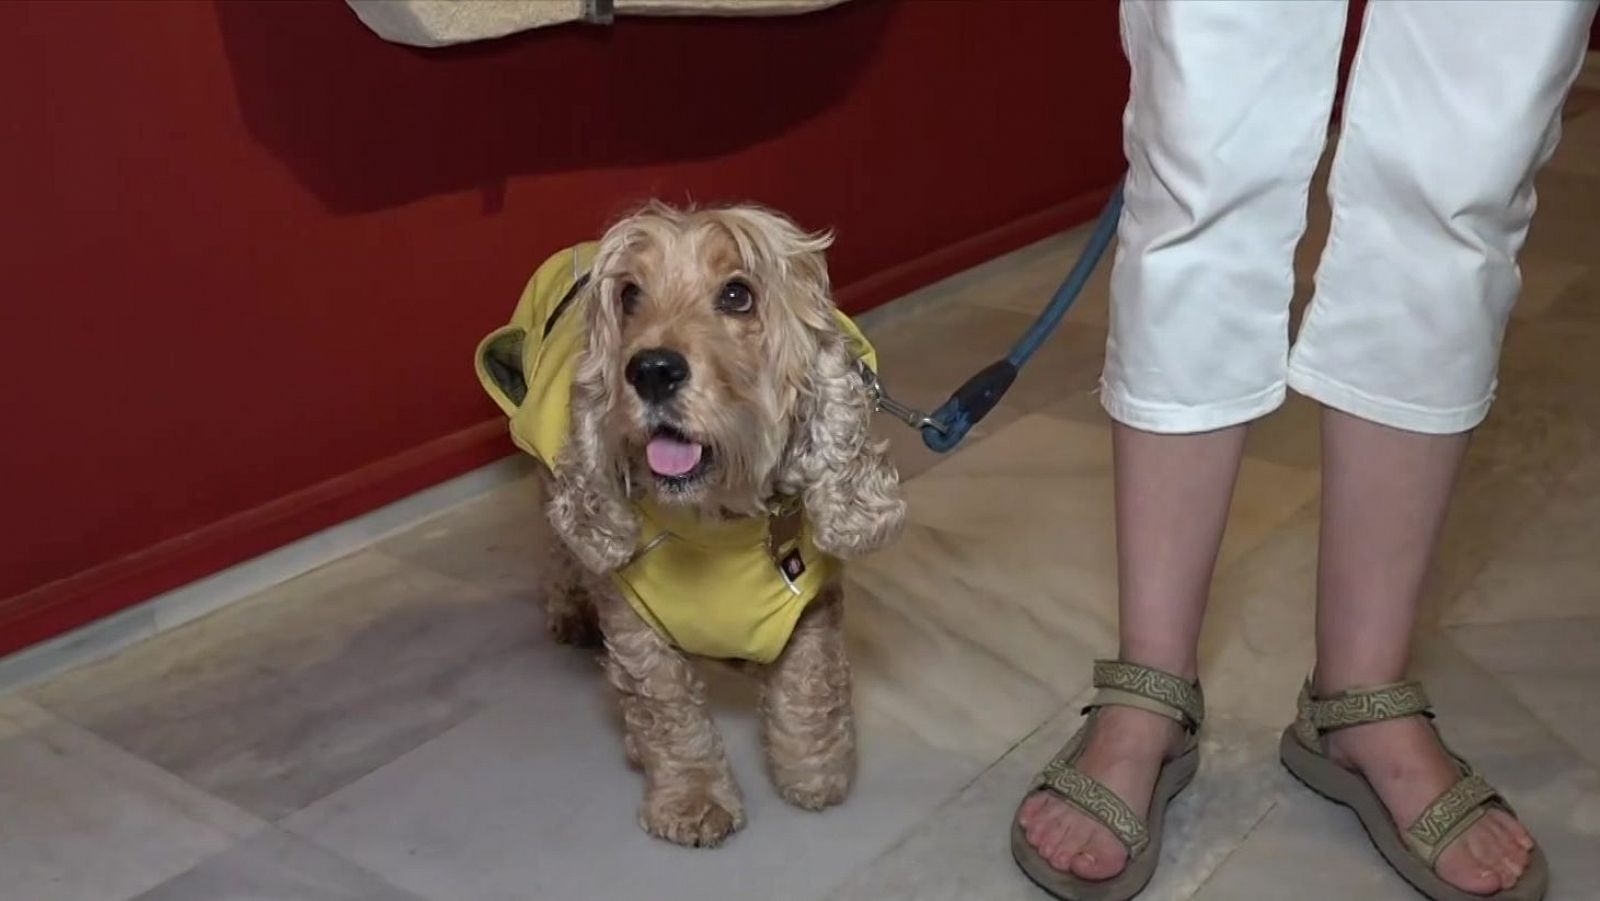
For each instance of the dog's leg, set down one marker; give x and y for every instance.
(690, 796)
(569, 607)
(566, 588)
(809, 731)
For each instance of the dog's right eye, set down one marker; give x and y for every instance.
(629, 298)
(735, 297)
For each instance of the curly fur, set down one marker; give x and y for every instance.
(776, 397)
(776, 393)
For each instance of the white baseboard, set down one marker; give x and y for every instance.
(196, 599)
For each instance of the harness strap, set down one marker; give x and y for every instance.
(566, 301)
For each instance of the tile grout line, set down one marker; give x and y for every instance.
(1235, 849)
(1243, 555)
(265, 821)
(309, 842)
(1516, 701)
(1558, 618)
(60, 718)
(956, 794)
(1557, 483)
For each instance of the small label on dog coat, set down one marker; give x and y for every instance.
(793, 567)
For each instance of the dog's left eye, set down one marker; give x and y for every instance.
(628, 298)
(735, 297)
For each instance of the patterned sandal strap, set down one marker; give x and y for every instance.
(1131, 685)
(1450, 814)
(1097, 801)
(1359, 706)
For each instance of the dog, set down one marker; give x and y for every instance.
(700, 410)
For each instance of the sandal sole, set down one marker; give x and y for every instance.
(1175, 777)
(1349, 789)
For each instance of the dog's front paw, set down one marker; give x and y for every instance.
(813, 788)
(691, 818)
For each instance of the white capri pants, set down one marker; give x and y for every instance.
(1451, 107)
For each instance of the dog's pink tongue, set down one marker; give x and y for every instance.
(671, 457)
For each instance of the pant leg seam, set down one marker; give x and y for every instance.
(1175, 418)
(1398, 413)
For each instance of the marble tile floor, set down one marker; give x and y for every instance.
(394, 726)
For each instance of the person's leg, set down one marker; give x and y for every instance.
(1384, 497)
(1451, 109)
(1384, 493)
(1172, 495)
(1227, 119)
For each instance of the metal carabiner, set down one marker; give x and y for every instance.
(881, 401)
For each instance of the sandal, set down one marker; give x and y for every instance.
(1120, 685)
(1412, 852)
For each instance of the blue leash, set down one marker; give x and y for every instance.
(943, 429)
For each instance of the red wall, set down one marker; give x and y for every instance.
(251, 246)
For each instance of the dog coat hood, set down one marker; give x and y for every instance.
(717, 588)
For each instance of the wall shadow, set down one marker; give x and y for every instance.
(366, 125)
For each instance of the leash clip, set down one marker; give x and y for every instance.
(882, 402)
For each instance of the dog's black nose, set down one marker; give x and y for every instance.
(656, 374)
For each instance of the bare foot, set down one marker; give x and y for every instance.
(1408, 769)
(1124, 753)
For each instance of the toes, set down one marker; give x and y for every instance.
(1061, 857)
(1102, 858)
(1056, 831)
(1512, 850)
(1030, 809)
(1492, 847)
(1516, 833)
(1047, 831)
(1477, 880)
(1039, 821)
(1490, 853)
(1073, 839)
(1472, 863)
(1496, 827)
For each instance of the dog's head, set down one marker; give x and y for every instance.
(717, 377)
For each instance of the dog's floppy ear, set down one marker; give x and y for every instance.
(589, 504)
(851, 490)
(849, 487)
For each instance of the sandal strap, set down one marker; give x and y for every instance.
(1450, 814)
(1360, 706)
(1096, 801)
(1124, 684)
(1120, 684)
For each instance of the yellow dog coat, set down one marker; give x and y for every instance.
(715, 588)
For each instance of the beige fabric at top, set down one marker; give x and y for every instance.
(439, 23)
